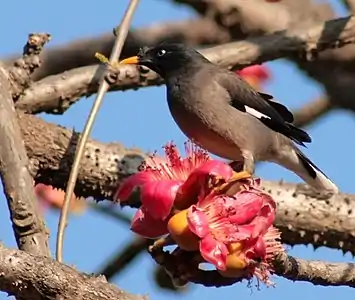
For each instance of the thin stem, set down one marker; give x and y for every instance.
(122, 32)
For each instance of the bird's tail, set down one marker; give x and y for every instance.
(298, 162)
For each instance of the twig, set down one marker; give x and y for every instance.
(110, 212)
(124, 257)
(122, 32)
(37, 277)
(23, 67)
(312, 111)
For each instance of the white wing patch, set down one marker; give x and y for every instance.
(255, 113)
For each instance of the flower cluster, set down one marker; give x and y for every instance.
(207, 207)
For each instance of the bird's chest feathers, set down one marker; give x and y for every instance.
(198, 119)
(188, 108)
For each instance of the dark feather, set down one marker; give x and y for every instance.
(279, 117)
(308, 164)
(281, 109)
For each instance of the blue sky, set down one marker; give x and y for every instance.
(141, 119)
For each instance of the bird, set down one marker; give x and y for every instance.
(222, 113)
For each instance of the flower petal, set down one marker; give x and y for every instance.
(214, 252)
(144, 225)
(247, 206)
(200, 174)
(198, 222)
(158, 197)
(132, 182)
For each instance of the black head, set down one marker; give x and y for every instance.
(168, 59)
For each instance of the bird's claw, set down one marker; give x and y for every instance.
(230, 186)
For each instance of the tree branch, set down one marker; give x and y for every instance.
(39, 277)
(314, 271)
(311, 111)
(302, 42)
(23, 67)
(81, 52)
(302, 215)
(28, 225)
(124, 257)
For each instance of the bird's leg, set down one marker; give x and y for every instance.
(249, 165)
(241, 171)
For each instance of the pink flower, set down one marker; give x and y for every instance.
(220, 220)
(144, 225)
(49, 196)
(232, 232)
(171, 181)
(255, 75)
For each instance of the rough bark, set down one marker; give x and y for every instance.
(28, 225)
(303, 216)
(39, 277)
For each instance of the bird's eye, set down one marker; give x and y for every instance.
(161, 53)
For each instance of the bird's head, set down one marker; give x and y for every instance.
(166, 59)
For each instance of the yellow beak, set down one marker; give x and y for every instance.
(133, 60)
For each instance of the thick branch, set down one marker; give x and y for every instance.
(305, 42)
(316, 271)
(302, 216)
(38, 277)
(29, 228)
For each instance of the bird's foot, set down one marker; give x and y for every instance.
(233, 184)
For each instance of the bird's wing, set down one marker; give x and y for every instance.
(259, 105)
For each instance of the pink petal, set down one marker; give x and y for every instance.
(132, 182)
(214, 252)
(198, 222)
(144, 225)
(247, 206)
(198, 177)
(158, 197)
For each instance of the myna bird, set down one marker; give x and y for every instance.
(221, 112)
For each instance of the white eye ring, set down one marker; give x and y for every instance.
(161, 52)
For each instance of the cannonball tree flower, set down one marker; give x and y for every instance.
(234, 233)
(255, 75)
(172, 182)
